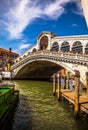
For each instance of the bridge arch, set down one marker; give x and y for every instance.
(68, 61)
(77, 47)
(43, 43)
(65, 46)
(34, 50)
(55, 46)
(86, 49)
(50, 64)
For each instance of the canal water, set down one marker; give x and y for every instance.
(38, 109)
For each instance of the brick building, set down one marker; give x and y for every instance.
(6, 59)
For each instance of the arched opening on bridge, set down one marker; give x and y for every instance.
(65, 46)
(86, 49)
(34, 50)
(55, 47)
(43, 43)
(77, 47)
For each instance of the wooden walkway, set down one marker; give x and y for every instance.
(71, 97)
(79, 101)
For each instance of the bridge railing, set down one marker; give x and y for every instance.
(49, 54)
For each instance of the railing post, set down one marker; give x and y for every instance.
(77, 85)
(59, 86)
(54, 84)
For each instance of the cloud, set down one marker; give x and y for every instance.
(19, 17)
(78, 10)
(21, 13)
(54, 10)
(75, 25)
(24, 45)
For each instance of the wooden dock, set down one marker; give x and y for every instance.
(71, 97)
(80, 102)
(84, 108)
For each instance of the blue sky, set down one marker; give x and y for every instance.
(21, 21)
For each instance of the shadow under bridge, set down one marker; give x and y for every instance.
(38, 70)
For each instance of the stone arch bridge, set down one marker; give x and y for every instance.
(51, 54)
(53, 60)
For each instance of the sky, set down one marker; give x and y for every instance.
(21, 21)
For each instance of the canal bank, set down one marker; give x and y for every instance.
(8, 102)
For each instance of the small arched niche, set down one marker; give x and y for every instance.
(43, 43)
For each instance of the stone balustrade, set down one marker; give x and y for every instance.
(59, 56)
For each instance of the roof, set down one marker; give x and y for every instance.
(4, 50)
(46, 32)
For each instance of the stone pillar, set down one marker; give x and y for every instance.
(59, 86)
(77, 85)
(87, 82)
(83, 50)
(54, 84)
(70, 48)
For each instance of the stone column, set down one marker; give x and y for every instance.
(77, 85)
(54, 84)
(83, 50)
(59, 86)
(87, 82)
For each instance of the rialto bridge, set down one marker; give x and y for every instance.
(51, 54)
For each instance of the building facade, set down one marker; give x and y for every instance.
(6, 59)
(84, 4)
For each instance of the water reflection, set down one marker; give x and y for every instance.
(38, 109)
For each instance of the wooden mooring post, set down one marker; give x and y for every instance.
(54, 84)
(59, 86)
(64, 81)
(77, 85)
(68, 77)
(87, 82)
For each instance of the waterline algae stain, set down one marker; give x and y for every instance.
(38, 109)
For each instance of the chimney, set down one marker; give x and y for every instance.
(10, 49)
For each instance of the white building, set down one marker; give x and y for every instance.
(85, 9)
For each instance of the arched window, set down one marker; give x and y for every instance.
(34, 50)
(86, 49)
(77, 47)
(65, 46)
(55, 47)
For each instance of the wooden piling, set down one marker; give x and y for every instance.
(77, 85)
(87, 82)
(68, 76)
(64, 81)
(59, 86)
(54, 84)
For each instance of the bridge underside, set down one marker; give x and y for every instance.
(38, 70)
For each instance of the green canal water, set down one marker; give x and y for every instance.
(38, 109)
